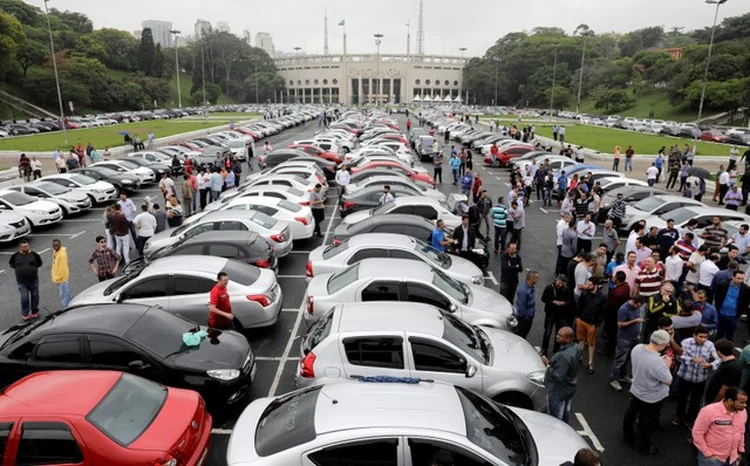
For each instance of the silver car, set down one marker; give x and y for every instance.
(431, 209)
(71, 201)
(13, 226)
(655, 205)
(398, 180)
(276, 232)
(407, 280)
(335, 258)
(181, 285)
(97, 191)
(398, 424)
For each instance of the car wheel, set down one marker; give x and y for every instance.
(519, 400)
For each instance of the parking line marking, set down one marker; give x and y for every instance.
(221, 431)
(43, 251)
(268, 358)
(84, 220)
(543, 210)
(587, 432)
(491, 276)
(52, 235)
(295, 329)
(2, 271)
(77, 234)
(7, 253)
(507, 184)
(291, 276)
(290, 310)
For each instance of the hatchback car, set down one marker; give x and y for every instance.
(70, 200)
(655, 205)
(609, 184)
(13, 226)
(397, 166)
(426, 207)
(37, 212)
(410, 225)
(101, 417)
(276, 157)
(374, 280)
(121, 181)
(395, 425)
(141, 340)
(181, 285)
(98, 191)
(421, 341)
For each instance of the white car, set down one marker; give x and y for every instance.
(145, 175)
(71, 200)
(13, 226)
(398, 180)
(311, 175)
(153, 157)
(335, 258)
(238, 148)
(37, 212)
(4, 134)
(655, 205)
(291, 181)
(281, 192)
(429, 208)
(703, 214)
(98, 191)
(610, 183)
(299, 218)
(407, 280)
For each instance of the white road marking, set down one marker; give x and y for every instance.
(7, 253)
(543, 210)
(288, 349)
(2, 271)
(221, 431)
(587, 432)
(52, 235)
(84, 220)
(77, 234)
(300, 252)
(267, 358)
(290, 310)
(291, 276)
(491, 276)
(43, 251)
(507, 184)
(498, 178)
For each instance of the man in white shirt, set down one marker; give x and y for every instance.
(204, 187)
(673, 266)
(741, 239)
(586, 231)
(580, 155)
(167, 186)
(145, 227)
(723, 186)
(386, 197)
(651, 174)
(634, 235)
(560, 228)
(343, 178)
(128, 210)
(694, 265)
(706, 274)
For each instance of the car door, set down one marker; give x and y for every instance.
(384, 451)
(106, 352)
(422, 293)
(373, 355)
(232, 225)
(57, 352)
(434, 359)
(367, 253)
(421, 450)
(426, 211)
(52, 441)
(190, 297)
(151, 291)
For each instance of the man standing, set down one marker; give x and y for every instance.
(569, 246)
(499, 221)
(629, 322)
(510, 266)
(556, 310)
(629, 153)
(186, 191)
(386, 196)
(707, 272)
(668, 236)
(464, 237)
(741, 239)
(317, 205)
(484, 205)
(437, 163)
(121, 232)
(698, 356)
(526, 303)
(731, 301)
(581, 275)
(519, 222)
(586, 231)
(617, 211)
(166, 185)
(127, 208)
(61, 272)
(727, 375)
(719, 430)
(26, 264)
(219, 308)
(649, 280)
(630, 270)
(161, 219)
(651, 174)
(145, 227)
(104, 261)
(204, 187)
(651, 381)
(610, 239)
(216, 185)
(561, 377)
(723, 186)
(438, 239)
(618, 295)
(343, 178)
(590, 315)
(715, 235)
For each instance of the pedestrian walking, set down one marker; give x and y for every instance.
(317, 205)
(698, 356)
(652, 173)
(186, 191)
(589, 316)
(561, 134)
(151, 139)
(104, 261)
(455, 164)
(120, 228)
(555, 130)
(145, 227)
(518, 214)
(476, 187)
(24, 168)
(499, 221)
(629, 322)
(36, 168)
(61, 272)
(629, 153)
(484, 207)
(466, 183)
(219, 306)
(26, 264)
(511, 266)
(556, 311)
(561, 377)
(127, 208)
(437, 163)
(343, 179)
(525, 305)
(719, 431)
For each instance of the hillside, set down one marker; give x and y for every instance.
(186, 82)
(654, 101)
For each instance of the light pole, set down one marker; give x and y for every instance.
(256, 83)
(462, 50)
(718, 3)
(585, 34)
(297, 50)
(177, 66)
(57, 77)
(497, 61)
(552, 92)
(378, 40)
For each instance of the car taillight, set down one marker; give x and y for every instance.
(305, 203)
(308, 269)
(310, 300)
(348, 205)
(264, 264)
(261, 299)
(320, 178)
(302, 220)
(336, 241)
(170, 461)
(306, 366)
(280, 238)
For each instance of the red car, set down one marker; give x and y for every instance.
(247, 132)
(94, 418)
(187, 145)
(415, 175)
(713, 135)
(396, 137)
(318, 152)
(507, 154)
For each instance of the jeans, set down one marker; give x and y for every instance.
(703, 461)
(651, 181)
(672, 180)
(552, 323)
(484, 220)
(64, 291)
(622, 357)
(559, 407)
(455, 176)
(29, 297)
(524, 326)
(615, 165)
(438, 174)
(584, 244)
(140, 243)
(547, 196)
(122, 247)
(628, 164)
(500, 234)
(694, 391)
(214, 195)
(648, 414)
(727, 327)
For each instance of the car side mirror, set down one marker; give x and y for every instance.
(453, 308)
(138, 365)
(471, 371)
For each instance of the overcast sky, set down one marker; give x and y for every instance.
(449, 24)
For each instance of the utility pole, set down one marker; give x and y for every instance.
(378, 40)
(57, 77)
(552, 92)
(718, 3)
(462, 50)
(256, 83)
(177, 66)
(203, 78)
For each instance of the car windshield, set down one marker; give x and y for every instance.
(53, 188)
(128, 409)
(496, 429)
(18, 199)
(455, 289)
(290, 206)
(679, 216)
(341, 279)
(263, 220)
(160, 332)
(242, 273)
(287, 422)
(649, 204)
(441, 258)
(83, 180)
(237, 144)
(464, 337)
(128, 164)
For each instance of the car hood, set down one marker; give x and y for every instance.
(101, 186)
(655, 221)
(511, 352)
(161, 239)
(47, 206)
(220, 350)
(356, 217)
(7, 217)
(631, 211)
(73, 196)
(93, 294)
(466, 270)
(556, 442)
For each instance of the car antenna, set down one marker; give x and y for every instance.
(46, 310)
(333, 400)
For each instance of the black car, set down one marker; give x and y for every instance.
(369, 197)
(738, 139)
(141, 340)
(122, 181)
(276, 157)
(157, 167)
(209, 155)
(18, 129)
(357, 178)
(630, 194)
(248, 247)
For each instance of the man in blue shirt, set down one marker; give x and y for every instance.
(629, 322)
(709, 314)
(562, 186)
(731, 299)
(526, 303)
(217, 182)
(439, 241)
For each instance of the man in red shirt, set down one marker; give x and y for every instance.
(220, 309)
(476, 188)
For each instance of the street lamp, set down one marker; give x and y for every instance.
(718, 3)
(57, 77)
(177, 66)
(497, 61)
(552, 92)
(297, 49)
(462, 50)
(378, 40)
(256, 82)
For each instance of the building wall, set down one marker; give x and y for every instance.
(331, 79)
(160, 31)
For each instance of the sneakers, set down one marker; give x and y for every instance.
(34, 315)
(26, 317)
(616, 385)
(626, 379)
(590, 369)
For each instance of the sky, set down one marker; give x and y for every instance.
(449, 24)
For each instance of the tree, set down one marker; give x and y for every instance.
(563, 97)
(146, 53)
(76, 22)
(121, 48)
(89, 46)
(213, 91)
(613, 101)
(25, 13)
(11, 38)
(133, 96)
(158, 68)
(30, 53)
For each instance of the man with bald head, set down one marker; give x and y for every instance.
(561, 378)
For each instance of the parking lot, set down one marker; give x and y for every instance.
(598, 410)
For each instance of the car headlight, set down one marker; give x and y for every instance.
(127, 181)
(511, 321)
(537, 377)
(477, 279)
(478, 251)
(224, 374)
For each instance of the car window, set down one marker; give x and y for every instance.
(194, 250)
(419, 293)
(422, 451)
(403, 209)
(341, 279)
(375, 351)
(241, 272)
(232, 226)
(47, 443)
(367, 254)
(426, 211)
(287, 422)
(381, 452)
(335, 249)
(5, 428)
(433, 357)
(198, 229)
(64, 348)
(705, 221)
(107, 351)
(191, 285)
(224, 250)
(148, 288)
(381, 291)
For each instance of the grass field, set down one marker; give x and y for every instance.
(605, 140)
(655, 101)
(101, 137)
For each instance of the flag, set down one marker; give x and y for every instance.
(342, 22)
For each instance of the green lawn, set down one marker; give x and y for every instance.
(656, 101)
(605, 140)
(101, 137)
(234, 115)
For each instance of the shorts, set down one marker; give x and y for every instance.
(585, 332)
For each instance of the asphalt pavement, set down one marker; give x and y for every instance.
(598, 410)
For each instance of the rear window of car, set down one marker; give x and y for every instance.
(263, 220)
(296, 192)
(242, 273)
(343, 278)
(128, 409)
(335, 249)
(290, 206)
(287, 422)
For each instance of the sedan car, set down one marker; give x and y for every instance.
(713, 135)
(630, 195)
(300, 219)
(316, 151)
(121, 181)
(611, 183)
(103, 417)
(506, 367)
(400, 421)
(158, 168)
(396, 180)
(144, 175)
(431, 209)
(655, 205)
(276, 232)
(181, 285)
(704, 215)
(36, 211)
(416, 281)
(396, 166)
(367, 199)
(72, 201)
(13, 226)
(276, 157)
(98, 192)
(280, 192)
(141, 340)
(410, 225)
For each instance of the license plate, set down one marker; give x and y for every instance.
(253, 371)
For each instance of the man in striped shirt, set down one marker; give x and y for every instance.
(649, 280)
(715, 236)
(698, 356)
(685, 246)
(500, 222)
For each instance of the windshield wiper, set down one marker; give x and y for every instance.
(486, 344)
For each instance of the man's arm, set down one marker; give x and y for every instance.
(700, 428)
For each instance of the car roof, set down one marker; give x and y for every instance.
(699, 210)
(432, 406)
(225, 236)
(674, 198)
(381, 239)
(227, 215)
(111, 318)
(374, 317)
(383, 267)
(193, 264)
(395, 218)
(414, 200)
(57, 393)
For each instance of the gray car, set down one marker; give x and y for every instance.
(181, 285)
(71, 201)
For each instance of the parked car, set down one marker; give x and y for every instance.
(121, 181)
(368, 199)
(158, 168)
(37, 212)
(276, 157)
(655, 205)
(611, 183)
(704, 215)
(630, 195)
(422, 189)
(713, 135)
(13, 226)
(738, 139)
(121, 166)
(397, 166)
(299, 218)
(70, 200)
(422, 206)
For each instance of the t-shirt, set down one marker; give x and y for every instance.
(706, 273)
(582, 275)
(219, 298)
(696, 259)
(650, 375)
(649, 283)
(146, 223)
(26, 266)
(652, 173)
(167, 186)
(715, 236)
(316, 196)
(626, 313)
(161, 220)
(728, 373)
(438, 236)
